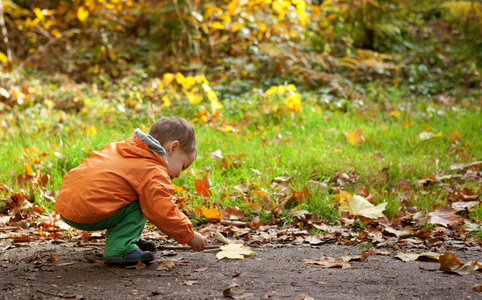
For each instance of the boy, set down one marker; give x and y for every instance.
(124, 183)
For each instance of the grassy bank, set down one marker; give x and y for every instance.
(403, 148)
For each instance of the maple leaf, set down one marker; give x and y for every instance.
(355, 137)
(358, 206)
(443, 216)
(234, 251)
(448, 261)
(211, 213)
(202, 186)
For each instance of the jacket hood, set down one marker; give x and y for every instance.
(133, 147)
(151, 142)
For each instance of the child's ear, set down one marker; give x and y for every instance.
(174, 146)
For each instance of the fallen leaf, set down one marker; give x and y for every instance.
(235, 294)
(355, 137)
(304, 297)
(467, 268)
(221, 238)
(317, 184)
(352, 258)
(443, 216)
(314, 239)
(448, 261)
(234, 251)
(282, 179)
(202, 186)
(211, 213)
(406, 257)
(168, 253)
(358, 206)
(217, 155)
(201, 269)
(140, 266)
(477, 287)
(329, 262)
(404, 232)
(188, 282)
(166, 266)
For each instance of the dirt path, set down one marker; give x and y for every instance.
(46, 271)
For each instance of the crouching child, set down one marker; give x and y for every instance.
(126, 183)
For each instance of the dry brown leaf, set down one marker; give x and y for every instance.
(443, 216)
(329, 262)
(449, 261)
(188, 282)
(140, 266)
(477, 287)
(235, 294)
(166, 266)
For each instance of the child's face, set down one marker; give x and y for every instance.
(178, 160)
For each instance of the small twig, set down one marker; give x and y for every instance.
(207, 250)
(184, 248)
(56, 295)
(121, 275)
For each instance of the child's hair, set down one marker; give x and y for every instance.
(168, 129)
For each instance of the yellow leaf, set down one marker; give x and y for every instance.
(234, 251)
(82, 14)
(355, 137)
(455, 135)
(3, 58)
(272, 90)
(211, 213)
(395, 113)
(217, 25)
(358, 206)
(228, 128)
(38, 13)
(178, 189)
(448, 261)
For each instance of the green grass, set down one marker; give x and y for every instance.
(303, 145)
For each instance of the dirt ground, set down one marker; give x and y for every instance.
(44, 270)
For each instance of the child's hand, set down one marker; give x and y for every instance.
(198, 242)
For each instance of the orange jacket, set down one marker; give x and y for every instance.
(116, 175)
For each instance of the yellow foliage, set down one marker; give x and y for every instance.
(82, 14)
(355, 137)
(3, 58)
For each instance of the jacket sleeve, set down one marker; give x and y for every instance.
(155, 197)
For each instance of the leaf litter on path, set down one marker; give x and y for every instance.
(234, 251)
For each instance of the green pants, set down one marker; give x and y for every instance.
(123, 229)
